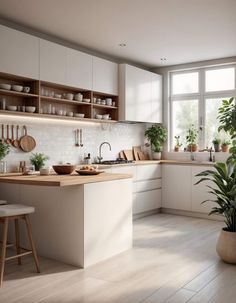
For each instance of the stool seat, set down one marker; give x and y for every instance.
(3, 202)
(15, 210)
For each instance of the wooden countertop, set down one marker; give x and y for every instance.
(61, 180)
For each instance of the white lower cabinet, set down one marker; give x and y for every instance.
(176, 186)
(147, 200)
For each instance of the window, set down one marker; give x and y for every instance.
(195, 96)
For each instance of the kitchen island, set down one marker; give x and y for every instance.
(79, 220)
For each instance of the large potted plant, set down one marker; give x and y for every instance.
(191, 138)
(223, 188)
(157, 136)
(216, 142)
(4, 151)
(38, 160)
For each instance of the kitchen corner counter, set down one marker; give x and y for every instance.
(60, 180)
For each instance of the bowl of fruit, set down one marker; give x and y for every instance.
(88, 170)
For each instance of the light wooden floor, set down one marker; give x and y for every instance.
(173, 260)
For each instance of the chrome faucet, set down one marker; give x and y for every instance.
(100, 150)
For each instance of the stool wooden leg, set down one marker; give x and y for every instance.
(29, 229)
(17, 234)
(4, 246)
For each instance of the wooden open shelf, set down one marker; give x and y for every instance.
(44, 103)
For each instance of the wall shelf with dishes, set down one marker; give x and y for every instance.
(21, 96)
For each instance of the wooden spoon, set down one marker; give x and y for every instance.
(15, 142)
(8, 140)
(81, 138)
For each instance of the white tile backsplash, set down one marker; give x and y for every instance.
(57, 140)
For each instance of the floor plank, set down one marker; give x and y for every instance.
(173, 261)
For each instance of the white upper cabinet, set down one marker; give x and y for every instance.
(105, 76)
(52, 62)
(19, 53)
(79, 69)
(140, 95)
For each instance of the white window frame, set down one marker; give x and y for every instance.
(201, 96)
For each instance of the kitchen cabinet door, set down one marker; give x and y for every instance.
(147, 201)
(52, 62)
(19, 53)
(200, 192)
(176, 187)
(140, 93)
(156, 95)
(105, 76)
(79, 69)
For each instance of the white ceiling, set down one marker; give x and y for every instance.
(180, 30)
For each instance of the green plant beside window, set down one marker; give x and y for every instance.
(4, 150)
(38, 160)
(191, 137)
(216, 141)
(157, 136)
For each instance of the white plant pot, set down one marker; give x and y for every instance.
(156, 156)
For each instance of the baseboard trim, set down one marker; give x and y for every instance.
(190, 214)
(146, 213)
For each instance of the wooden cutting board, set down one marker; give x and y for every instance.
(143, 156)
(129, 154)
(136, 150)
(121, 154)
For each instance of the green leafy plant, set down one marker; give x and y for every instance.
(38, 160)
(4, 150)
(227, 118)
(216, 141)
(192, 134)
(226, 142)
(177, 141)
(224, 177)
(157, 136)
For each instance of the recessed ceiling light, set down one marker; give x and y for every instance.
(163, 59)
(122, 44)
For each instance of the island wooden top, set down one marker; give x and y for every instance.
(61, 180)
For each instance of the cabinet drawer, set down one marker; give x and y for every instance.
(146, 172)
(131, 170)
(148, 200)
(148, 185)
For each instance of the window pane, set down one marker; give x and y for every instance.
(185, 83)
(220, 79)
(212, 123)
(185, 113)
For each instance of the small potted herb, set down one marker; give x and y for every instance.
(216, 143)
(225, 146)
(4, 151)
(191, 138)
(157, 136)
(38, 160)
(177, 144)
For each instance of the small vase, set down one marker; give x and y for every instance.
(225, 148)
(226, 246)
(217, 147)
(176, 148)
(156, 155)
(3, 167)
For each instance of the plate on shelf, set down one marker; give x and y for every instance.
(84, 172)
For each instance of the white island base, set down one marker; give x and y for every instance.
(78, 225)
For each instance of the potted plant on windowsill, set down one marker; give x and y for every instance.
(157, 136)
(216, 143)
(4, 151)
(223, 179)
(177, 144)
(38, 160)
(191, 138)
(225, 146)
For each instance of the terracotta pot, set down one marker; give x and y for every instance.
(192, 147)
(225, 148)
(226, 246)
(156, 156)
(176, 148)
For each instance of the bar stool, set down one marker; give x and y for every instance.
(15, 212)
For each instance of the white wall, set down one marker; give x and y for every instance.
(56, 139)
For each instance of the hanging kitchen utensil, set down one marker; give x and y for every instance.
(15, 142)
(27, 143)
(8, 140)
(81, 138)
(76, 138)
(3, 139)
